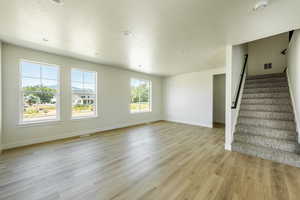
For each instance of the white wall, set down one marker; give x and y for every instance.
(113, 99)
(0, 97)
(293, 60)
(235, 58)
(188, 98)
(238, 61)
(219, 98)
(268, 50)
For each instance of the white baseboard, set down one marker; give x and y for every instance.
(294, 106)
(190, 123)
(228, 147)
(68, 135)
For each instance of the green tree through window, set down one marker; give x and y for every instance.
(140, 96)
(40, 83)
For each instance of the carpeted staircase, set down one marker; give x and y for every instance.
(266, 126)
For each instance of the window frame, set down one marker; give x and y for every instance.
(150, 95)
(96, 94)
(21, 94)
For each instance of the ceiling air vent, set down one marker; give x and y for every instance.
(268, 66)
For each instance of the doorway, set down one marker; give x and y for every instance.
(219, 96)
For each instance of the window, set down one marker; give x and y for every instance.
(39, 92)
(84, 95)
(140, 96)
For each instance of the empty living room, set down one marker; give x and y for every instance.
(149, 100)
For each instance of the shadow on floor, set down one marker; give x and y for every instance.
(219, 125)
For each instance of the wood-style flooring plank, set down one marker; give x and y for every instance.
(158, 161)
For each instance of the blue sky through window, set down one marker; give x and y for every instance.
(34, 74)
(83, 80)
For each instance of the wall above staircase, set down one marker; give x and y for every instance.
(267, 50)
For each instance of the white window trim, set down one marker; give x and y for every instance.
(96, 95)
(150, 96)
(21, 96)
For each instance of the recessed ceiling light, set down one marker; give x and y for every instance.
(59, 2)
(45, 40)
(261, 4)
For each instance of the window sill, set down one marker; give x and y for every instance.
(141, 112)
(39, 123)
(80, 118)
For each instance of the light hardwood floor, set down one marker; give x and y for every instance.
(159, 161)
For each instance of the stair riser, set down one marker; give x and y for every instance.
(267, 142)
(266, 85)
(272, 133)
(265, 76)
(267, 115)
(266, 95)
(267, 80)
(271, 108)
(285, 125)
(267, 101)
(265, 90)
(265, 155)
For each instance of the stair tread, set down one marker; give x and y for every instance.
(266, 103)
(281, 92)
(264, 118)
(267, 114)
(269, 153)
(263, 98)
(287, 141)
(267, 98)
(263, 127)
(259, 85)
(277, 87)
(295, 155)
(260, 104)
(274, 143)
(244, 117)
(266, 95)
(268, 132)
(243, 109)
(264, 76)
(267, 80)
(290, 137)
(266, 111)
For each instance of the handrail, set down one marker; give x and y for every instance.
(291, 35)
(284, 52)
(234, 103)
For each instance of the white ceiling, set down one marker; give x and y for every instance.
(167, 36)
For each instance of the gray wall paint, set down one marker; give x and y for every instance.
(219, 98)
(113, 99)
(267, 50)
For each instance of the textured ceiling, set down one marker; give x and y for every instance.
(163, 37)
